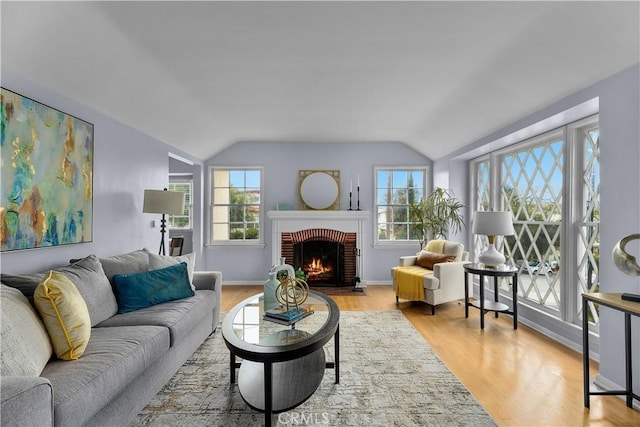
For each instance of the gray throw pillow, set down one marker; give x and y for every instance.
(130, 263)
(88, 276)
(92, 283)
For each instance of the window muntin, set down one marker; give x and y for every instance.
(396, 190)
(236, 205)
(182, 221)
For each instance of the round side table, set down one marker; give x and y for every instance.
(487, 305)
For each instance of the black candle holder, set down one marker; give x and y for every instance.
(358, 199)
(350, 196)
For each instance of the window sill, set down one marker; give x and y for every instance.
(241, 244)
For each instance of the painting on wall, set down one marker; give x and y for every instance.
(47, 175)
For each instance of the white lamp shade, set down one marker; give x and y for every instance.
(163, 202)
(493, 223)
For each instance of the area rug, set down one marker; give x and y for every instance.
(389, 376)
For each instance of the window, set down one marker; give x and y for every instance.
(396, 190)
(236, 205)
(182, 221)
(550, 184)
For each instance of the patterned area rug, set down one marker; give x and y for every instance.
(389, 376)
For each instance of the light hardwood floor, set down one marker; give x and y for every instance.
(521, 377)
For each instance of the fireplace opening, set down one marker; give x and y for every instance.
(321, 260)
(327, 256)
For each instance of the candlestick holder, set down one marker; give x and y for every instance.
(358, 198)
(350, 195)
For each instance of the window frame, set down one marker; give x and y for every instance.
(377, 242)
(569, 311)
(259, 242)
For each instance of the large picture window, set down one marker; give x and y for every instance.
(396, 190)
(550, 184)
(236, 205)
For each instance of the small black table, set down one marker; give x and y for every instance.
(282, 365)
(486, 305)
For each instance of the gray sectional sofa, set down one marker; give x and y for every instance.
(129, 356)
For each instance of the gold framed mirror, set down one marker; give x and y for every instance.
(319, 189)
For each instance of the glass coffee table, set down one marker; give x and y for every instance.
(282, 365)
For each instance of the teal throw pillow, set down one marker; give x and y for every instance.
(141, 290)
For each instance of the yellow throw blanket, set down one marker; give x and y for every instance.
(410, 282)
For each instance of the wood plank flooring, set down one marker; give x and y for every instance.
(521, 377)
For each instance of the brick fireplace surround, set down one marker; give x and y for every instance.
(345, 227)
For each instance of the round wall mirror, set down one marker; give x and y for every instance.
(319, 190)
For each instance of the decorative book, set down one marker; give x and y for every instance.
(288, 317)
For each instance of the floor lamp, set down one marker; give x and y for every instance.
(163, 202)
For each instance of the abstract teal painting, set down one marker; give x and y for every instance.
(46, 175)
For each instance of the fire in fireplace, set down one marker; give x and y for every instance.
(326, 256)
(321, 260)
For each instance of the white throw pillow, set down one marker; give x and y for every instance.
(157, 262)
(26, 347)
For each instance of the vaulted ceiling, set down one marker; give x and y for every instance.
(203, 75)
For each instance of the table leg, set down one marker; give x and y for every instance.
(466, 295)
(495, 292)
(627, 356)
(232, 367)
(515, 301)
(268, 394)
(585, 352)
(481, 301)
(336, 339)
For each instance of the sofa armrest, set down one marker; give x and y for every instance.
(207, 280)
(26, 401)
(211, 281)
(405, 261)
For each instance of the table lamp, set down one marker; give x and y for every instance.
(492, 224)
(163, 202)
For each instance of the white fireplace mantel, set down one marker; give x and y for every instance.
(345, 221)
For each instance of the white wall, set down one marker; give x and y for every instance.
(126, 162)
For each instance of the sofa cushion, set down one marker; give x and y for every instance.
(65, 315)
(88, 276)
(161, 261)
(113, 358)
(427, 259)
(129, 263)
(179, 316)
(142, 290)
(25, 348)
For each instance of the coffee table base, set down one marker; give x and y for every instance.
(293, 381)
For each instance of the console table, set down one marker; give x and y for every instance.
(486, 305)
(629, 308)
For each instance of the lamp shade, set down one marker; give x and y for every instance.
(163, 202)
(493, 223)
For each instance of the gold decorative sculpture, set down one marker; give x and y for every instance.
(292, 292)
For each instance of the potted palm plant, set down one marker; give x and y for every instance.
(435, 215)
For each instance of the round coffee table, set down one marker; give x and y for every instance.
(282, 365)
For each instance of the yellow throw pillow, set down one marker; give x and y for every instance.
(65, 315)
